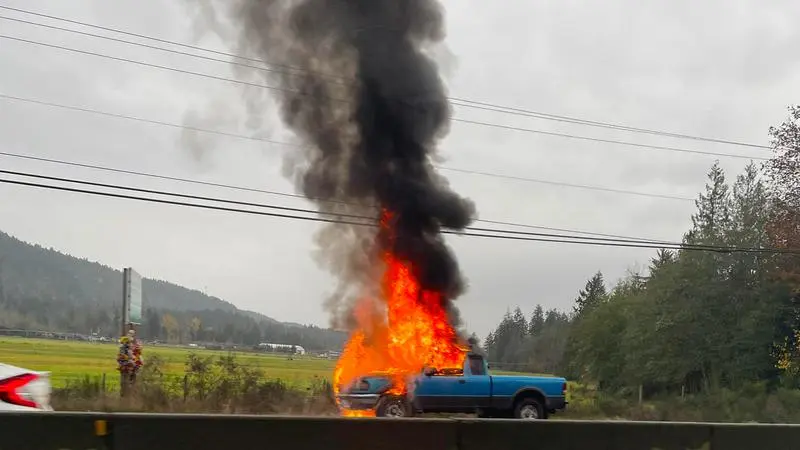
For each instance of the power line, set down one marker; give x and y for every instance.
(371, 221)
(187, 196)
(69, 163)
(455, 119)
(176, 203)
(593, 123)
(139, 44)
(457, 101)
(241, 203)
(159, 66)
(457, 233)
(606, 141)
(252, 138)
(149, 121)
(151, 175)
(569, 185)
(286, 194)
(287, 216)
(151, 38)
(569, 230)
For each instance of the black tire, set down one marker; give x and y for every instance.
(529, 408)
(393, 406)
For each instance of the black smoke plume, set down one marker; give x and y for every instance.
(356, 84)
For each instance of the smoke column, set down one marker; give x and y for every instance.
(357, 86)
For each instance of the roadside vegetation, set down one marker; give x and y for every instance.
(208, 384)
(176, 380)
(697, 335)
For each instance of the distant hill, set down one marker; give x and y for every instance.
(41, 288)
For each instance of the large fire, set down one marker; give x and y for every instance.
(406, 330)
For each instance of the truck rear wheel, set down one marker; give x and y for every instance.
(393, 407)
(529, 408)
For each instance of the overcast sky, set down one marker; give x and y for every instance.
(716, 68)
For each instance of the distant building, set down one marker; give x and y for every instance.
(282, 348)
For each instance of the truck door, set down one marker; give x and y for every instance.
(436, 391)
(475, 391)
(455, 391)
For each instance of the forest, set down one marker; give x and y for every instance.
(698, 320)
(45, 290)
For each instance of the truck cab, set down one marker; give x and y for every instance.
(470, 389)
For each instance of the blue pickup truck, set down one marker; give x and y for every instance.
(468, 390)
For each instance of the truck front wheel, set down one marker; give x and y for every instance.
(529, 409)
(393, 407)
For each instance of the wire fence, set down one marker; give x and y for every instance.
(218, 386)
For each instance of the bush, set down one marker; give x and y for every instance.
(208, 385)
(751, 403)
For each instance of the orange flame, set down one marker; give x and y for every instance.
(406, 330)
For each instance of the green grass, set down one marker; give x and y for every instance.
(70, 360)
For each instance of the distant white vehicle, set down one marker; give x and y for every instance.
(287, 348)
(24, 390)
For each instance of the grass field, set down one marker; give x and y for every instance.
(67, 360)
(70, 360)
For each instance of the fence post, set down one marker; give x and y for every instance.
(640, 394)
(185, 387)
(123, 384)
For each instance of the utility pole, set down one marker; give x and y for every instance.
(125, 287)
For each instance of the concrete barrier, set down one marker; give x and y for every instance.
(584, 435)
(85, 431)
(49, 431)
(79, 431)
(756, 436)
(258, 432)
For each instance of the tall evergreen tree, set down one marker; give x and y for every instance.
(536, 323)
(520, 323)
(713, 210)
(592, 295)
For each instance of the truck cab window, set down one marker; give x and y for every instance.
(476, 366)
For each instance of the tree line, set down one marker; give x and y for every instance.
(43, 289)
(210, 326)
(696, 320)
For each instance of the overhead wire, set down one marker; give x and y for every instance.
(154, 39)
(283, 143)
(157, 66)
(481, 105)
(351, 219)
(569, 185)
(464, 102)
(593, 123)
(152, 47)
(297, 196)
(336, 99)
